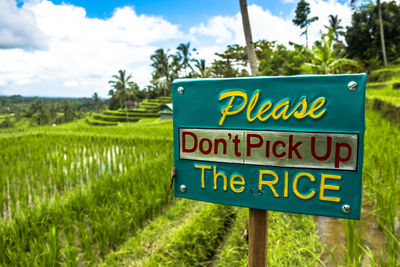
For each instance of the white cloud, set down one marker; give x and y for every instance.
(83, 53)
(322, 9)
(18, 28)
(3, 82)
(71, 83)
(228, 30)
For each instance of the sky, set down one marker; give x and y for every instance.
(72, 48)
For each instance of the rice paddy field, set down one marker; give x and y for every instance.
(82, 195)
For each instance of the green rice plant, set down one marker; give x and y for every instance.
(292, 241)
(196, 242)
(354, 252)
(95, 219)
(382, 189)
(44, 165)
(137, 250)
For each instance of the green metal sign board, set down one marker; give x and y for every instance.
(292, 144)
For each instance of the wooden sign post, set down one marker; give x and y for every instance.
(258, 237)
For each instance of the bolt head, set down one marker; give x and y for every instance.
(182, 188)
(180, 90)
(346, 209)
(352, 86)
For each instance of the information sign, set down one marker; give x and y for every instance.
(292, 144)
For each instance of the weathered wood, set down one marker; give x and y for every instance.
(258, 238)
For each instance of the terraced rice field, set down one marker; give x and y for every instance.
(81, 195)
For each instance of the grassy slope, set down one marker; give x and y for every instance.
(385, 91)
(166, 239)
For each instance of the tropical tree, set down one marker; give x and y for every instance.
(68, 110)
(363, 36)
(184, 51)
(324, 61)
(161, 76)
(232, 62)
(334, 26)
(97, 102)
(121, 83)
(53, 112)
(113, 102)
(277, 59)
(302, 20)
(38, 112)
(202, 70)
(381, 30)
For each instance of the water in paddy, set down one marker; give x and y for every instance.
(332, 234)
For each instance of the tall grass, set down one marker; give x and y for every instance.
(381, 179)
(381, 175)
(69, 195)
(292, 241)
(86, 225)
(38, 167)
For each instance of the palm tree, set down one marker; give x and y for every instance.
(184, 50)
(334, 25)
(204, 72)
(96, 101)
(121, 84)
(160, 60)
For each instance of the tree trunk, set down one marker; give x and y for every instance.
(251, 55)
(385, 62)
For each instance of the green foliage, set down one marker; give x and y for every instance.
(68, 111)
(125, 90)
(380, 178)
(184, 52)
(232, 62)
(383, 75)
(148, 109)
(363, 36)
(276, 60)
(166, 68)
(6, 123)
(324, 61)
(335, 27)
(197, 241)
